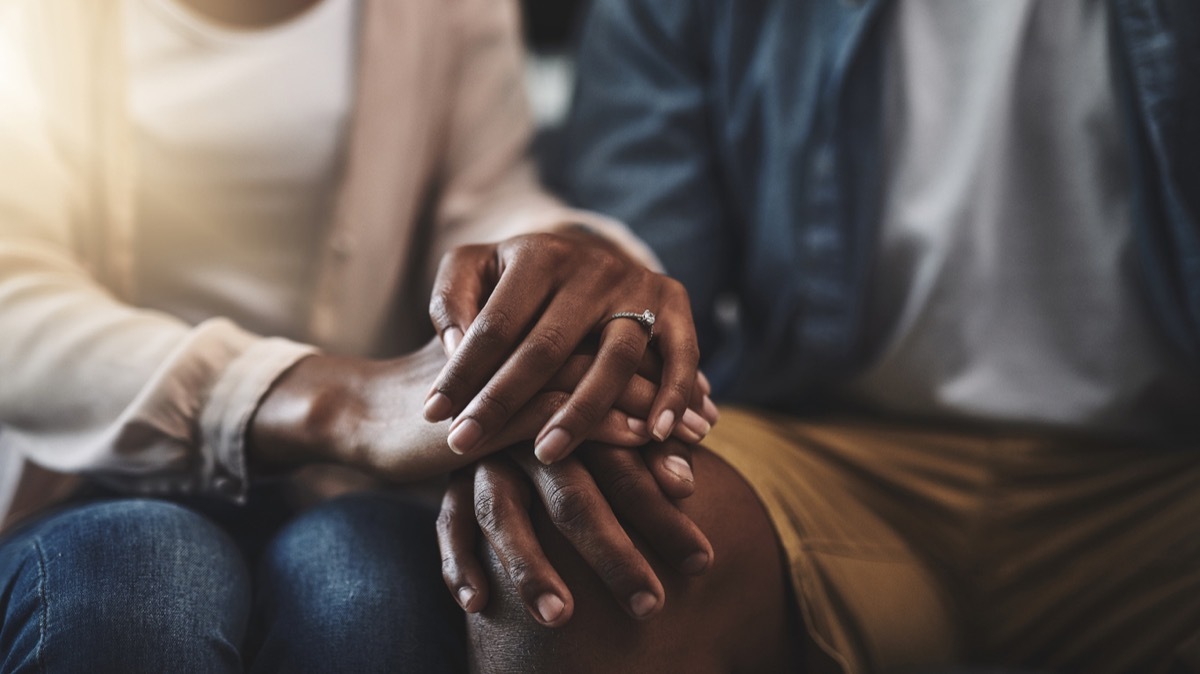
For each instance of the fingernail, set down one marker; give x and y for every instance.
(549, 607)
(704, 383)
(437, 407)
(552, 446)
(466, 594)
(710, 411)
(465, 435)
(637, 426)
(695, 562)
(679, 468)
(451, 338)
(642, 604)
(696, 423)
(662, 427)
(687, 435)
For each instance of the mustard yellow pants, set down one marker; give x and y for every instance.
(912, 547)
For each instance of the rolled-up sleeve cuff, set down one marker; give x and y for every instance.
(234, 398)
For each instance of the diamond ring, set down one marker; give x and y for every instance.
(645, 319)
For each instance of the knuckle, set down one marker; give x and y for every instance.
(617, 568)
(494, 328)
(674, 289)
(494, 404)
(445, 522)
(489, 511)
(626, 349)
(439, 308)
(627, 484)
(522, 573)
(584, 411)
(449, 569)
(570, 507)
(607, 264)
(547, 347)
(454, 379)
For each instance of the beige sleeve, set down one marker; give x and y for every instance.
(491, 189)
(89, 384)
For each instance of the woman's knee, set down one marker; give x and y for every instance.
(356, 581)
(128, 582)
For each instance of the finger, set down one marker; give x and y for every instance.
(676, 337)
(579, 511)
(464, 278)
(496, 330)
(542, 353)
(709, 410)
(513, 305)
(617, 427)
(635, 401)
(502, 501)
(622, 344)
(671, 464)
(457, 533)
(635, 496)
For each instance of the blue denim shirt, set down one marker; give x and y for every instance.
(741, 139)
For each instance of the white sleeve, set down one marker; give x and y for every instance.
(89, 384)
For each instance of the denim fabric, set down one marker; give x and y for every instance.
(741, 139)
(135, 585)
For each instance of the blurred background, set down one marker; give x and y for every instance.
(551, 30)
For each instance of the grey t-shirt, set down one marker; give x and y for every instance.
(1003, 289)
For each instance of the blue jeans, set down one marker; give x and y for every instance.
(142, 585)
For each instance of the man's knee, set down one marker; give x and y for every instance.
(736, 616)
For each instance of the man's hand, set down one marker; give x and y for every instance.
(583, 496)
(511, 314)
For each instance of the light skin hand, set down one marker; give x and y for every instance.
(513, 313)
(583, 495)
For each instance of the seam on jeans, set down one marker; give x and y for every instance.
(44, 618)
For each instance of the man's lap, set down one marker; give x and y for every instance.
(737, 616)
(917, 547)
(904, 548)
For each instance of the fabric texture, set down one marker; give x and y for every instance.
(92, 384)
(143, 585)
(743, 141)
(239, 138)
(1000, 287)
(925, 548)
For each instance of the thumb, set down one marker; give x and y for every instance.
(465, 277)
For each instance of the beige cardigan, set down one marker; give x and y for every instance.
(89, 384)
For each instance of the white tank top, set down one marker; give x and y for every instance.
(241, 136)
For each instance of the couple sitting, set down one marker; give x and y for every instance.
(939, 258)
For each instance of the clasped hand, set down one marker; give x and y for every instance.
(513, 318)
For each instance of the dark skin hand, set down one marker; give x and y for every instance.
(584, 496)
(367, 414)
(512, 313)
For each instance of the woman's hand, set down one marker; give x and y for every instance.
(367, 414)
(511, 314)
(583, 497)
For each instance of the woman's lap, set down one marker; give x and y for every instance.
(133, 585)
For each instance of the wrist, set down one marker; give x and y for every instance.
(296, 422)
